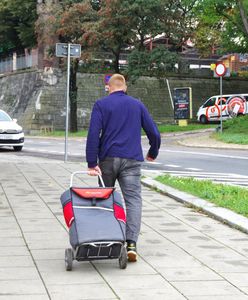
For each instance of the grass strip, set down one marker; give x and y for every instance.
(162, 129)
(61, 133)
(235, 131)
(232, 138)
(231, 197)
(175, 128)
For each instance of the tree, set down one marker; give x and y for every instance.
(156, 63)
(227, 21)
(17, 19)
(112, 32)
(72, 24)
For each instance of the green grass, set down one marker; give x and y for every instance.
(61, 133)
(189, 127)
(234, 131)
(162, 129)
(230, 197)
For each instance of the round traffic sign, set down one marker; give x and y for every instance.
(220, 69)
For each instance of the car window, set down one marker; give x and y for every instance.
(4, 116)
(210, 102)
(246, 98)
(222, 101)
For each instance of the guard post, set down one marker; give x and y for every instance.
(182, 105)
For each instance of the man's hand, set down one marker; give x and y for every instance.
(149, 158)
(94, 171)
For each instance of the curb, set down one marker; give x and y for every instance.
(222, 214)
(217, 147)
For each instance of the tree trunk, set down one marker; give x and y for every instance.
(116, 61)
(73, 96)
(243, 16)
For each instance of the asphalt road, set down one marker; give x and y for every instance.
(229, 166)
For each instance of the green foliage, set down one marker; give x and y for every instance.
(176, 128)
(17, 19)
(152, 63)
(234, 131)
(236, 125)
(96, 4)
(222, 23)
(230, 197)
(121, 25)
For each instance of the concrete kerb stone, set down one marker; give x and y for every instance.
(222, 214)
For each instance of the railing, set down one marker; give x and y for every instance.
(19, 62)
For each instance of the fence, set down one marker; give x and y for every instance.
(19, 62)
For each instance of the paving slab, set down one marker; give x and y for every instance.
(183, 254)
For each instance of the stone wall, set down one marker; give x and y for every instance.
(37, 98)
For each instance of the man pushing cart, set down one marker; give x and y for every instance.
(114, 150)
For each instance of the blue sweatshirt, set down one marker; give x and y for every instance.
(115, 129)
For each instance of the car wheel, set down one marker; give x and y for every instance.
(18, 148)
(203, 119)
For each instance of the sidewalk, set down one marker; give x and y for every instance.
(183, 254)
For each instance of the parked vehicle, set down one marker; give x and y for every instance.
(228, 105)
(11, 134)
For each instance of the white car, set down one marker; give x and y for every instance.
(228, 106)
(11, 134)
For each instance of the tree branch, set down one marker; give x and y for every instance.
(243, 16)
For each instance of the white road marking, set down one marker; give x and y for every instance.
(206, 154)
(38, 142)
(29, 149)
(173, 166)
(229, 179)
(153, 162)
(193, 169)
(210, 174)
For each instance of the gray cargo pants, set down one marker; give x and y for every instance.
(127, 172)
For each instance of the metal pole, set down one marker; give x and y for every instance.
(67, 100)
(221, 120)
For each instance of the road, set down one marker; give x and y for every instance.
(227, 166)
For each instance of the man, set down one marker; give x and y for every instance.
(114, 149)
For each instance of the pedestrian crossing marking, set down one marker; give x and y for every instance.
(224, 178)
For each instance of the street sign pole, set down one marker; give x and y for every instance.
(67, 50)
(220, 71)
(67, 100)
(221, 118)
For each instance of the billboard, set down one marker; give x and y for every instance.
(182, 103)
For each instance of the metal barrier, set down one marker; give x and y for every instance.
(11, 64)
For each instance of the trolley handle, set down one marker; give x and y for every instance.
(84, 172)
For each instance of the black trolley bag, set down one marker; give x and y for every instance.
(96, 220)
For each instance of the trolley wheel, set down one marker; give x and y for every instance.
(68, 259)
(123, 258)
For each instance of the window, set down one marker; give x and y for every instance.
(222, 101)
(4, 116)
(210, 102)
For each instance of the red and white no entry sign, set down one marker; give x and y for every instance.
(220, 70)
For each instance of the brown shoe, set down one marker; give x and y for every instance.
(131, 251)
